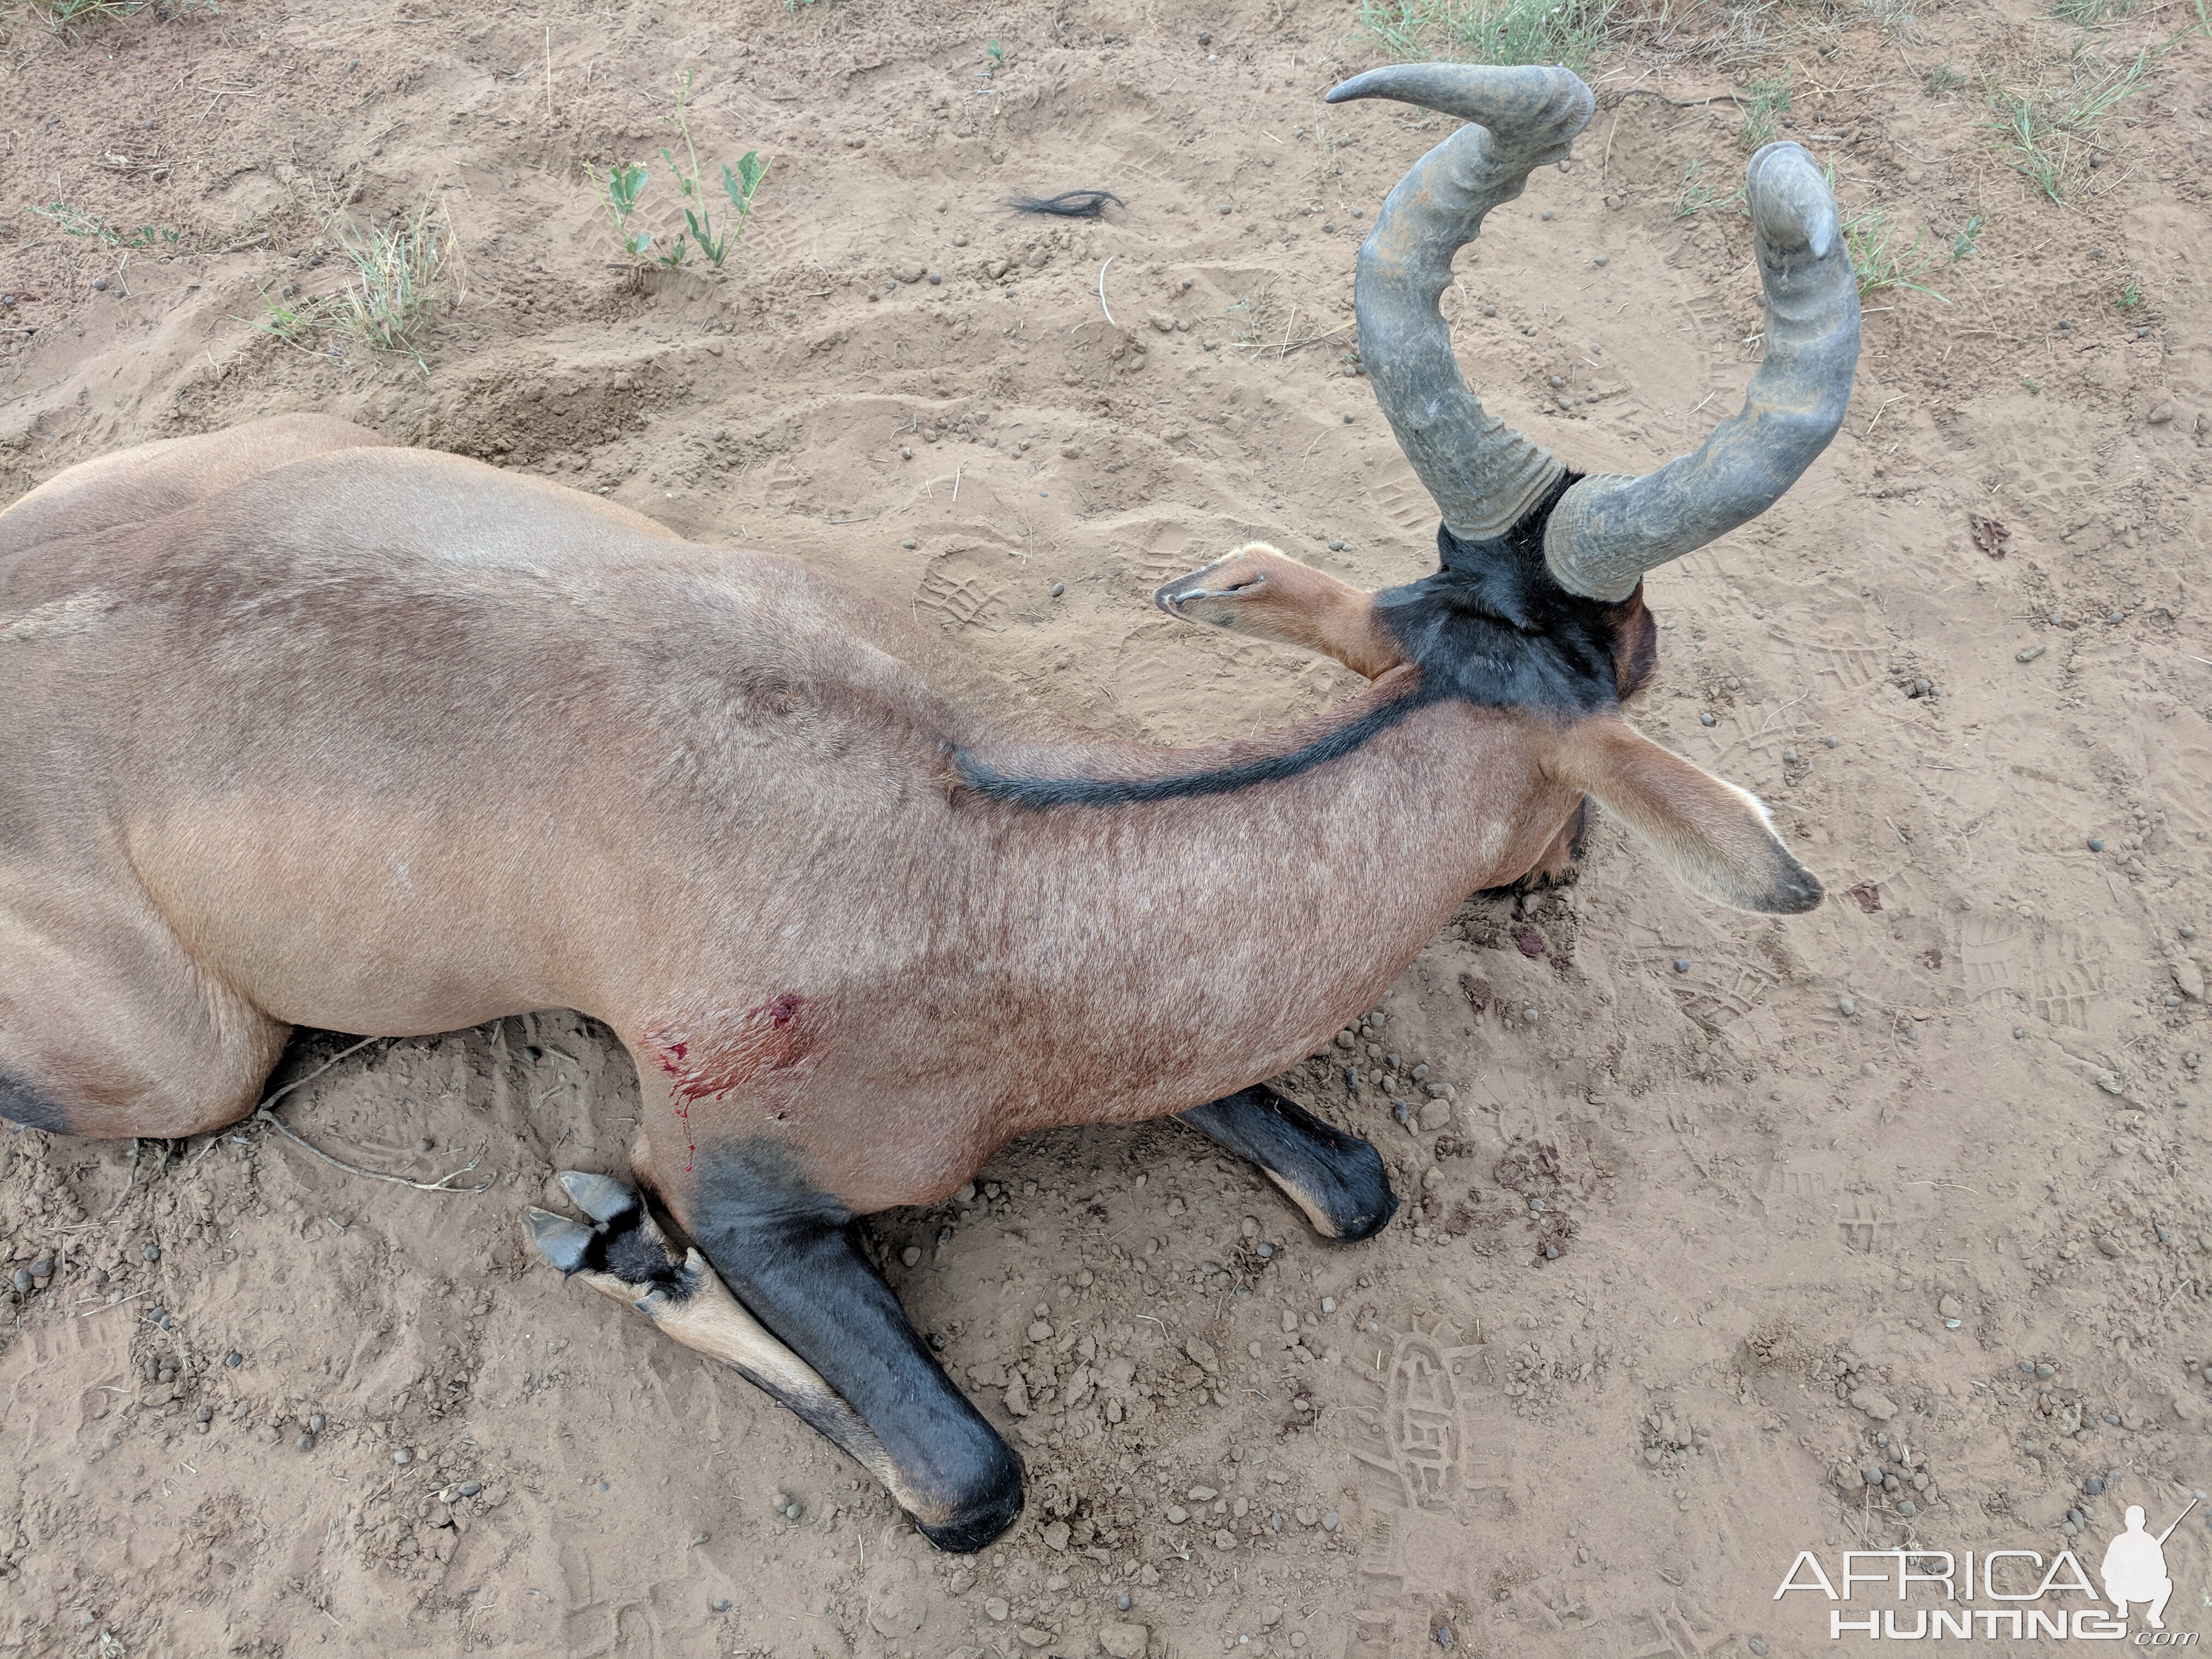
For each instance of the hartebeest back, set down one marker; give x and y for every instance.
(301, 729)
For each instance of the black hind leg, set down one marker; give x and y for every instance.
(841, 1353)
(1336, 1178)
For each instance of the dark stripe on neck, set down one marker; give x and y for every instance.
(1026, 791)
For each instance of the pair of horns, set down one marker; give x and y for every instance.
(1607, 530)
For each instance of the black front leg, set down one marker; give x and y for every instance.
(1337, 1179)
(789, 1254)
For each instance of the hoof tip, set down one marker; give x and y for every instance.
(600, 1197)
(559, 1240)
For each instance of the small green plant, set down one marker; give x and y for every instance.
(1569, 32)
(1694, 196)
(1868, 234)
(1942, 80)
(1764, 103)
(622, 188)
(403, 273)
(75, 222)
(1968, 241)
(2089, 12)
(2130, 297)
(996, 53)
(2031, 383)
(2036, 145)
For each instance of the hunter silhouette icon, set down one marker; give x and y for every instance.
(2135, 1566)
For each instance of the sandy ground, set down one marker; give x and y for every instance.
(1813, 1190)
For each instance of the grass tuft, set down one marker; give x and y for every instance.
(2090, 13)
(1869, 235)
(1764, 103)
(403, 275)
(2047, 132)
(1942, 80)
(1505, 32)
(1694, 196)
(61, 15)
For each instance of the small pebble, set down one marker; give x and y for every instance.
(1789, 757)
(2096, 845)
(424, 1143)
(1347, 420)
(2044, 1373)
(1831, 742)
(233, 1358)
(1330, 1522)
(1490, 311)
(1758, 1647)
(908, 544)
(402, 1457)
(934, 279)
(2019, 1032)
(1528, 1015)
(471, 1488)
(306, 1442)
(1846, 1008)
(1600, 260)
(1705, 720)
(1682, 965)
(315, 1423)
(1059, 588)
(151, 1253)
(1907, 1508)
(1121, 1602)
(204, 1414)
(911, 1255)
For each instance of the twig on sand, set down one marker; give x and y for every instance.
(443, 1184)
(1102, 293)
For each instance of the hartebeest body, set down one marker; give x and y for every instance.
(297, 728)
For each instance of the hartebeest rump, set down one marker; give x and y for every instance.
(300, 729)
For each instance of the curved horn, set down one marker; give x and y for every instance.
(1485, 476)
(1606, 532)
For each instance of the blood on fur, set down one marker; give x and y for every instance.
(710, 1057)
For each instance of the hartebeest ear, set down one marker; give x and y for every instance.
(1717, 838)
(1267, 594)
